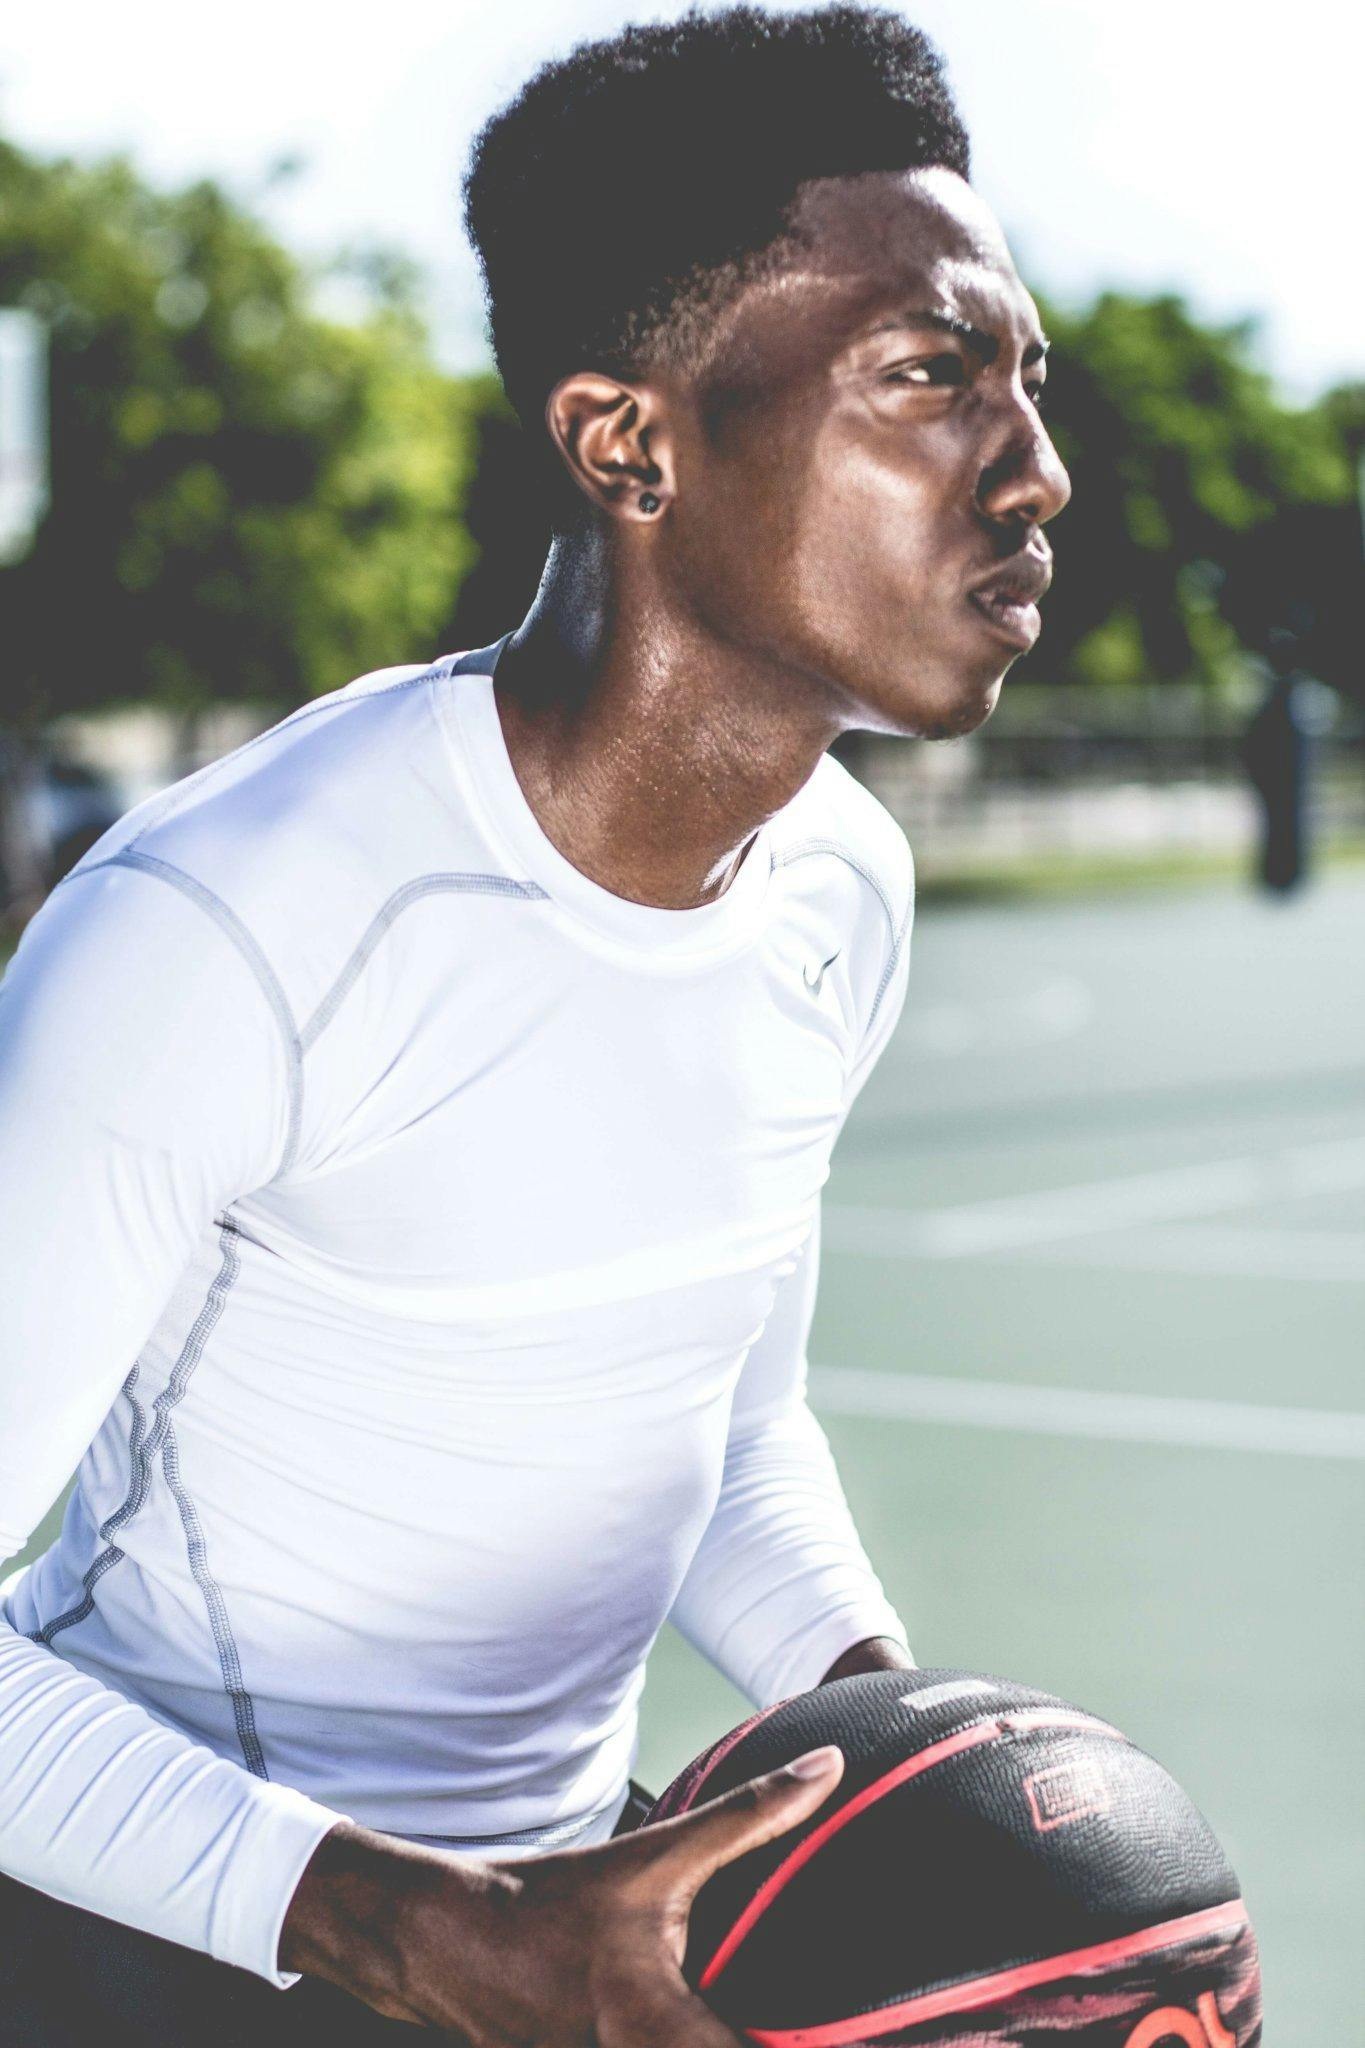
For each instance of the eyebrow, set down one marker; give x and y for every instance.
(977, 340)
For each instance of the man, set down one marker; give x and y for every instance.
(413, 1125)
(1277, 749)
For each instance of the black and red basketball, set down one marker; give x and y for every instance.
(994, 1867)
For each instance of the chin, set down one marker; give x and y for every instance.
(973, 708)
(943, 700)
(951, 712)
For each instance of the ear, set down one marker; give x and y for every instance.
(616, 443)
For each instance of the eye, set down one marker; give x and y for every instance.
(1038, 393)
(920, 372)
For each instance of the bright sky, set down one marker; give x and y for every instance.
(1206, 146)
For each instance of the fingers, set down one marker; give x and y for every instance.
(690, 1848)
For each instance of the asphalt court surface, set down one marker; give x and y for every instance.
(1089, 1349)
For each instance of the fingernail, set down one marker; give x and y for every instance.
(816, 1763)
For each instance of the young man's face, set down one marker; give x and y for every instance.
(848, 471)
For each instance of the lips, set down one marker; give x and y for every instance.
(1007, 599)
(1020, 624)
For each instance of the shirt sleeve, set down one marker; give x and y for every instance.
(886, 1011)
(781, 1585)
(145, 1081)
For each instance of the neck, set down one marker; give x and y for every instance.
(650, 751)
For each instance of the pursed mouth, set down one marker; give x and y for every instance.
(1017, 620)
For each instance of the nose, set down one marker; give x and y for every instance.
(1026, 479)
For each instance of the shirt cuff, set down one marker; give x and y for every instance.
(805, 1659)
(280, 1835)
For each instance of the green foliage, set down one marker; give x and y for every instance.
(248, 501)
(1187, 475)
(507, 518)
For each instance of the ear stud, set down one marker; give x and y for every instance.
(648, 502)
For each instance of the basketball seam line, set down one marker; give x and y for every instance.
(973, 1993)
(987, 1728)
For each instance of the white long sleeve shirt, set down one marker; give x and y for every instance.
(412, 1246)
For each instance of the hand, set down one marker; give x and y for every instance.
(579, 1949)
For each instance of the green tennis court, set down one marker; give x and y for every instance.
(1089, 1350)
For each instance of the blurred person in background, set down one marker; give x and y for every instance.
(24, 877)
(1278, 752)
(51, 813)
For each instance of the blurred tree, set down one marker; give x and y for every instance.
(248, 501)
(1200, 501)
(1303, 572)
(505, 521)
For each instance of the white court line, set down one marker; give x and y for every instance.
(1053, 1215)
(1056, 1009)
(1082, 1412)
(1208, 1248)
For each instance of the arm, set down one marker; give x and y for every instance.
(144, 1082)
(780, 1586)
(879, 1653)
(780, 1594)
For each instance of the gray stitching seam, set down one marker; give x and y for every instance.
(889, 970)
(144, 1445)
(229, 1663)
(411, 892)
(249, 948)
(144, 1448)
(832, 846)
(561, 1831)
(105, 1559)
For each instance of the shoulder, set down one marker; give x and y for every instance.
(307, 763)
(298, 839)
(835, 818)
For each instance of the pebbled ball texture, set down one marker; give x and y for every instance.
(982, 1834)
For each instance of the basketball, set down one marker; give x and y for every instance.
(994, 1867)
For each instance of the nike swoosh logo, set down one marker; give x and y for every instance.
(814, 986)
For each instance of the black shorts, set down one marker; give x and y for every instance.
(69, 1979)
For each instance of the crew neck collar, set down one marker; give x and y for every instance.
(481, 757)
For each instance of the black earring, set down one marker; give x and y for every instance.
(648, 502)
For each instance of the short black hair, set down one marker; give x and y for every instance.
(635, 186)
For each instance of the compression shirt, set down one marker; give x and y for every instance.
(412, 1246)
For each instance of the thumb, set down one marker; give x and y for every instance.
(694, 1845)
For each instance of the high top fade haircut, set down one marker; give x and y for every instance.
(634, 188)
